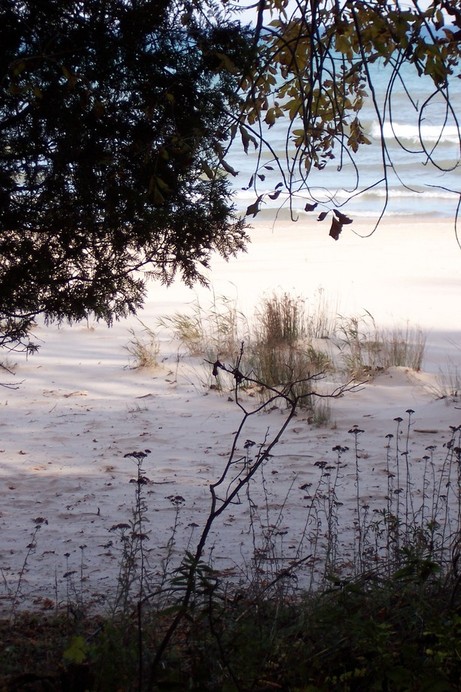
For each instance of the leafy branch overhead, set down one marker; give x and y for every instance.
(117, 118)
(337, 222)
(114, 119)
(315, 79)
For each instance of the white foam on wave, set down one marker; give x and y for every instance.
(415, 134)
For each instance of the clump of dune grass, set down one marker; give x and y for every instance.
(321, 317)
(287, 340)
(143, 348)
(217, 329)
(283, 365)
(188, 328)
(280, 353)
(280, 320)
(367, 350)
(448, 382)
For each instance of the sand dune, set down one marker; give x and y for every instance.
(79, 410)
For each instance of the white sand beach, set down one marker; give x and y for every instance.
(79, 408)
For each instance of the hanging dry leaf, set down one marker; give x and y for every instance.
(336, 228)
(254, 208)
(342, 218)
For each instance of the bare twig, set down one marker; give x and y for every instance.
(233, 479)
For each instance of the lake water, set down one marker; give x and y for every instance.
(417, 125)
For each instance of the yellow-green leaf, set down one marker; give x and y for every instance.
(77, 650)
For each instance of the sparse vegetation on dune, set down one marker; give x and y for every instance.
(284, 325)
(290, 339)
(366, 597)
(143, 348)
